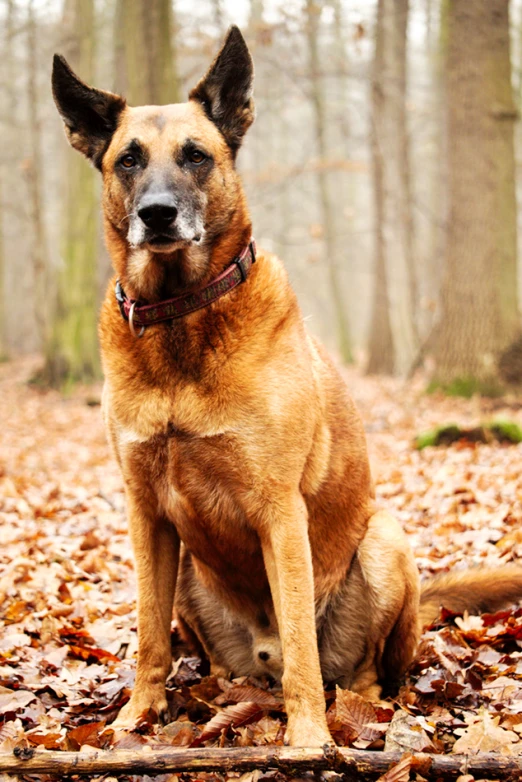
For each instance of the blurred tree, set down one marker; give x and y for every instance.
(341, 72)
(33, 174)
(145, 62)
(72, 346)
(313, 10)
(219, 15)
(381, 355)
(255, 18)
(395, 286)
(3, 334)
(6, 174)
(479, 313)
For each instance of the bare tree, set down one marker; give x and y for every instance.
(144, 51)
(381, 354)
(479, 314)
(72, 346)
(313, 14)
(395, 274)
(33, 174)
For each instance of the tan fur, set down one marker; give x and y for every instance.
(235, 435)
(476, 590)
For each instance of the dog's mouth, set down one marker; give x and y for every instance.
(163, 243)
(161, 239)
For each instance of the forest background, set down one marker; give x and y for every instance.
(383, 168)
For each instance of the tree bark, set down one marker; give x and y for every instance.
(72, 347)
(395, 273)
(33, 174)
(354, 764)
(255, 18)
(144, 52)
(479, 313)
(381, 354)
(5, 170)
(313, 13)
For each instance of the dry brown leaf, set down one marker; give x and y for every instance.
(358, 715)
(241, 693)
(485, 735)
(398, 773)
(13, 700)
(232, 716)
(405, 734)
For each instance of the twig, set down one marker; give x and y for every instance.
(355, 764)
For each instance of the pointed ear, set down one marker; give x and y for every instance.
(90, 116)
(226, 91)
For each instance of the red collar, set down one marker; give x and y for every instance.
(143, 315)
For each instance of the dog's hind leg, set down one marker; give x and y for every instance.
(369, 632)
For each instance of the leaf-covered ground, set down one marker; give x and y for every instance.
(67, 590)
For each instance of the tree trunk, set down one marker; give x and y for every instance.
(255, 18)
(144, 52)
(33, 174)
(313, 13)
(219, 16)
(72, 348)
(381, 355)
(395, 274)
(9, 140)
(479, 313)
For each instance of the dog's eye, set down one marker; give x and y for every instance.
(128, 161)
(197, 157)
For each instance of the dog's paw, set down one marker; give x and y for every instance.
(307, 734)
(141, 707)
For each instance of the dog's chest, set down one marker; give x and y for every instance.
(200, 495)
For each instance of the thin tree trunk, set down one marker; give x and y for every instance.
(395, 273)
(10, 89)
(3, 330)
(72, 349)
(256, 14)
(479, 314)
(219, 15)
(313, 12)
(33, 175)
(145, 53)
(381, 355)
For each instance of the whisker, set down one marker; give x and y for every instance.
(127, 217)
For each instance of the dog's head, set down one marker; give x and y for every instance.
(169, 177)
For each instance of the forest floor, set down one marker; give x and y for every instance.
(67, 589)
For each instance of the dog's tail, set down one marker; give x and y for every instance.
(478, 590)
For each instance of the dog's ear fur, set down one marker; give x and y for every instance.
(226, 91)
(90, 116)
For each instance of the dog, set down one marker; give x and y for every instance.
(249, 494)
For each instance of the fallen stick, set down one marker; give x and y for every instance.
(354, 764)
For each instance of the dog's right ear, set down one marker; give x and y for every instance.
(91, 116)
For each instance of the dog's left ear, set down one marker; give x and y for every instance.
(90, 116)
(226, 91)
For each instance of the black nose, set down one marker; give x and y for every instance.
(157, 214)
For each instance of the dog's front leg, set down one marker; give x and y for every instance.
(288, 563)
(155, 544)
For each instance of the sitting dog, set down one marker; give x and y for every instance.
(249, 494)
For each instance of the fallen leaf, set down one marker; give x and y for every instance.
(405, 734)
(398, 773)
(485, 735)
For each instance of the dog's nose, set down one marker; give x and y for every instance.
(157, 214)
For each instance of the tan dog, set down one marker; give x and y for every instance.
(234, 432)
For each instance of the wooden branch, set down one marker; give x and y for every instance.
(355, 764)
